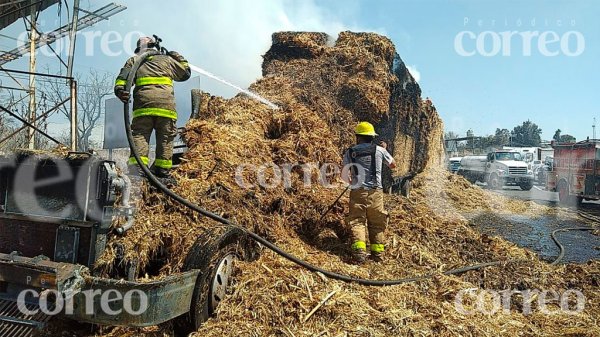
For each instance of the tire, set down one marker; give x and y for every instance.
(214, 254)
(467, 176)
(526, 186)
(494, 182)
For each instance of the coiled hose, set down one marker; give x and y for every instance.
(333, 275)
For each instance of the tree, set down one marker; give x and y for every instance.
(556, 136)
(89, 103)
(502, 137)
(567, 139)
(7, 123)
(450, 135)
(488, 142)
(13, 133)
(527, 134)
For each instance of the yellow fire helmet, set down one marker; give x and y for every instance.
(365, 129)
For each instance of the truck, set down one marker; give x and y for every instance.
(535, 156)
(575, 172)
(497, 169)
(454, 164)
(57, 216)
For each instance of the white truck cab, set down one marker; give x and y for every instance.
(454, 164)
(498, 169)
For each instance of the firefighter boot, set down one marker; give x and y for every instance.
(359, 256)
(376, 257)
(160, 172)
(164, 176)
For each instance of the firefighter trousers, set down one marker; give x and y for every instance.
(367, 214)
(166, 130)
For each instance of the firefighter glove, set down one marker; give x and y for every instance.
(176, 56)
(123, 96)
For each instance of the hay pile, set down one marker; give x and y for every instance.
(323, 89)
(274, 297)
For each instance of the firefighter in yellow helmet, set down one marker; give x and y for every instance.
(362, 170)
(153, 103)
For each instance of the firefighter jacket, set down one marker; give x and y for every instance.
(153, 94)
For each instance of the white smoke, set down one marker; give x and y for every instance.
(414, 72)
(229, 37)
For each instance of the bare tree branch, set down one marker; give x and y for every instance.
(90, 91)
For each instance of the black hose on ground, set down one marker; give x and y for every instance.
(345, 278)
(560, 246)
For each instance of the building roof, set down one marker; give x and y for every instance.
(582, 144)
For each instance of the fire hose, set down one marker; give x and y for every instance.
(333, 275)
(560, 246)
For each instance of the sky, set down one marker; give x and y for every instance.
(485, 64)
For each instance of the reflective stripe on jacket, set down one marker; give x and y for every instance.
(153, 94)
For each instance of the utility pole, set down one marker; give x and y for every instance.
(73, 38)
(72, 83)
(74, 135)
(32, 66)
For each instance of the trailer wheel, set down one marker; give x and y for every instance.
(526, 186)
(471, 179)
(467, 176)
(214, 254)
(494, 182)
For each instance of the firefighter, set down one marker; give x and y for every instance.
(153, 103)
(362, 170)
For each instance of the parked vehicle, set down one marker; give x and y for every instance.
(454, 164)
(497, 169)
(52, 235)
(575, 174)
(534, 156)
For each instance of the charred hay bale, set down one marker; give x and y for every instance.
(375, 44)
(404, 76)
(295, 45)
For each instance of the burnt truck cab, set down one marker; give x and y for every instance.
(56, 218)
